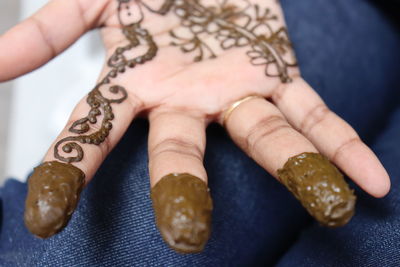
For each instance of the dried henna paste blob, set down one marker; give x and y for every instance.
(53, 193)
(320, 187)
(183, 207)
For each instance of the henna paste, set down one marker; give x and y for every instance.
(183, 206)
(54, 190)
(320, 187)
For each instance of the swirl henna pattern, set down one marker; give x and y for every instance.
(98, 103)
(230, 25)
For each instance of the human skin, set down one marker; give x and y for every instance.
(181, 97)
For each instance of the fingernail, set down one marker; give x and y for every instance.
(53, 193)
(182, 207)
(320, 187)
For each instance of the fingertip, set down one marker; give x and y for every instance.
(381, 187)
(53, 194)
(373, 178)
(183, 207)
(361, 164)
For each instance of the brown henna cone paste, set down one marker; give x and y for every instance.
(182, 207)
(53, 193)
(320, 187)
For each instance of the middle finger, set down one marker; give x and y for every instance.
(181, 199)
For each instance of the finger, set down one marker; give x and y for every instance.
(259, 128)
(335, 138)
(55, 185)
(181, 201)
(261, 131)
(46, 34)
(176, 145)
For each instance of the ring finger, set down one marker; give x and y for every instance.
(262, 131)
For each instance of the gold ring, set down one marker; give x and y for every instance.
(236, 104)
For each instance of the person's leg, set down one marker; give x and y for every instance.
(255, 219)
(348, 51)
(371, 238)
(114, 223)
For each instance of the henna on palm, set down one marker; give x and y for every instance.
(267, 47)
(54, 187)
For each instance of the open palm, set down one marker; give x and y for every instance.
(182, 64)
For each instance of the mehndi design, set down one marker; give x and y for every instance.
(118, 63)
(54, 187)
(266, 47)
(235, 27)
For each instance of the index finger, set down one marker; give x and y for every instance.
(44, 35)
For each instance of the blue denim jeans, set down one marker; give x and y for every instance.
(349, 52)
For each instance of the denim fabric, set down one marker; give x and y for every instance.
(348, 52)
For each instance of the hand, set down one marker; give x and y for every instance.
(181, 64)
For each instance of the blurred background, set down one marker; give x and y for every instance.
(9, 11)
(34, 108)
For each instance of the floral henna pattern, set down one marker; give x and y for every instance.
(230, 25)
(236, 27)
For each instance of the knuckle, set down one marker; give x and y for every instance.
(345, 145)
(264, 129)
(179, 146)
(44, 35)
(81, 12)
(105, 146)
(314, 117)
(278, 94)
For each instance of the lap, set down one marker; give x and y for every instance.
(348, 51)
(114, 223)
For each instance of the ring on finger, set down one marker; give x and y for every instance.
(227, 112)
